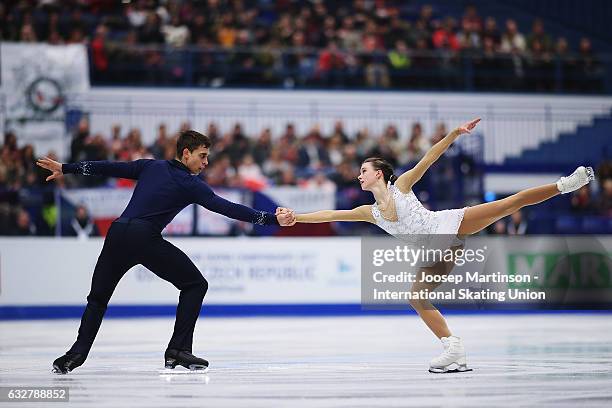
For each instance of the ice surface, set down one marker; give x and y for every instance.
(518, 360)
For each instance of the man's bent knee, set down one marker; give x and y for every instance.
(97, 302)
(200, 286)
(203, 285)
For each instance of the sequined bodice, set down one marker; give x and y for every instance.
(413, 218)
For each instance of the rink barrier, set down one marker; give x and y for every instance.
(273, 276)
(259, 310)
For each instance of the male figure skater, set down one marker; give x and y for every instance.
(164, 188)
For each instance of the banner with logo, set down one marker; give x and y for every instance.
(211, 223)
(37, 77)
(106, 204)
(302, 200)
(239, 271)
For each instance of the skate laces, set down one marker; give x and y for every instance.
(447, 342)
(574, 179)
(582, 175)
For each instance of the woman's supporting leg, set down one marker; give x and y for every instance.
(453, 357)
(480, 216)
(428, 312)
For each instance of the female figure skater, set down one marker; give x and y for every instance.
(398, 211)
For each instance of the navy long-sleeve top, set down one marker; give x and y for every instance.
(164, 188)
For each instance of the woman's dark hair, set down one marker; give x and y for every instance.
(191, 140)
(379, 163)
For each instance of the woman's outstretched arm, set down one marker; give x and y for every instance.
(412, 176)
(361, 213)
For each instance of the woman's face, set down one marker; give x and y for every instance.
(368, 176)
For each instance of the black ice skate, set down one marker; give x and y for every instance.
(68, 362)
(174, 358)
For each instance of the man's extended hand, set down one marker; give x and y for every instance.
(54, 167)
(285, 217)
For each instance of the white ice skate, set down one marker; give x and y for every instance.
(452, 360)
(580, 177)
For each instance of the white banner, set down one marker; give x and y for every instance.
(211, 223)
(37, 77)
(47, 271)
(302, 200)
(239, 271)
(110, 203)
(100, 202)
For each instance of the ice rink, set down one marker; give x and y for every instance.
(518, 360)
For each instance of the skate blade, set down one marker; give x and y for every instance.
(57, 370)
(590, 174)
(193, 369)
(453, 368)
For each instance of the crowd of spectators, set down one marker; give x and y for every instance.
(254, 161)
(357, 43)
(324, 161)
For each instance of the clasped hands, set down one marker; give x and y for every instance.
(285, 216)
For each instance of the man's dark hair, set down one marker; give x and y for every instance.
(191, 140)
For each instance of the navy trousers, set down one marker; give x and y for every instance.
(131, 242)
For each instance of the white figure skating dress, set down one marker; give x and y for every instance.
(414, 221)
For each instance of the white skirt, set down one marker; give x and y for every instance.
(449, 222)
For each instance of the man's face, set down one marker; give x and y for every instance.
(197, 160)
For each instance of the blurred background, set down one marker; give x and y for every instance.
(294, 95)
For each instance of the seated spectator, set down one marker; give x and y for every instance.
(335, 150)
(23, 224)
(263, 146)
(399, 59)
(489, 67)
(250, 173)
(159, 146)
(320, 182)
(538, 63)
(588, 67)
(150, 31)
(81, 225)
(472, 18)
(339, 131)
(538, 34)
(518, 224)
(469, 37)
(312, 154)
(445, 37)
(512, 39)
(581, 201)
(604, 204)
(176, 34)
(491, 31)
(417, 146)
(499, 228)
(567, 59)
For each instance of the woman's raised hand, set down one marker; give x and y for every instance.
(467, 127)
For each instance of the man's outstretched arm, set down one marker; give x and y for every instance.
(129, 170)
(209, 200)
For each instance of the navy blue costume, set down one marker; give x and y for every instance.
(164, 188)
